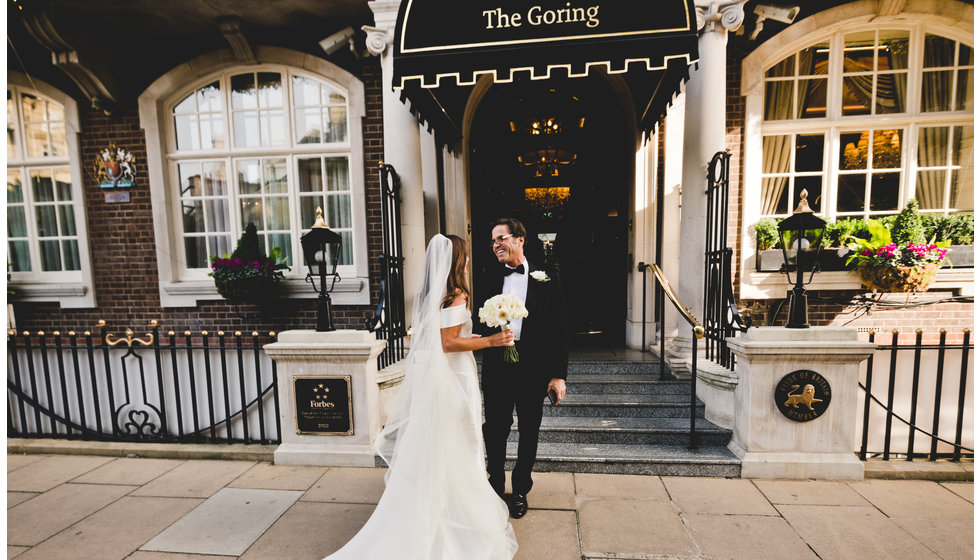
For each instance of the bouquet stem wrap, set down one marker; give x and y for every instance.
(510, 352)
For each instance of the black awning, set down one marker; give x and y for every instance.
(442, 47)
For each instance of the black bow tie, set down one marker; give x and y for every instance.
(508, 270)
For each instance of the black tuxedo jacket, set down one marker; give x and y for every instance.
(544, 332)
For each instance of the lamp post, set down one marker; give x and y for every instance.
(800, 237)
(321, 251)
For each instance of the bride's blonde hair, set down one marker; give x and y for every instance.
(456, 282)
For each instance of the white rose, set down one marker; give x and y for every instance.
(540, 276)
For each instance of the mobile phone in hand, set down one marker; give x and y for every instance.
(553, 396)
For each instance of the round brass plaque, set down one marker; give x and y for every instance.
(802, 395)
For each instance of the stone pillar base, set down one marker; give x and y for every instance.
(800, 466)
(319, 455)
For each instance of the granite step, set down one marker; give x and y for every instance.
(625, 384)
(633, 431)
(606, 367)
(625, 406)
(656, 460)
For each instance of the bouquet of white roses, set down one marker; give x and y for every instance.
(499, 311)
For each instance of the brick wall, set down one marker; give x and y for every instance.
(735, 142)
(124, 257)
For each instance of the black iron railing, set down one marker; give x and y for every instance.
(194, 387)
(929, 382)
(697, 332)
(389, 322)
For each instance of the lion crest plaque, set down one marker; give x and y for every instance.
(802, 395)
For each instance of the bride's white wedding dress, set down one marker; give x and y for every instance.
(437, 503)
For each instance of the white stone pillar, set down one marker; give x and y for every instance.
(344, 353)
(704, 134)
(771, 445)
(402, 148)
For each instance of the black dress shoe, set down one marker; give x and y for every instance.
(518, 505)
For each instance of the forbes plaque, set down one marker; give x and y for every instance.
(323, 405)
(802, 395)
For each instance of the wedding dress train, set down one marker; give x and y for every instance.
(437, 503)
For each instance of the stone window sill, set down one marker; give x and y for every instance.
(773, 285)
(348, 291)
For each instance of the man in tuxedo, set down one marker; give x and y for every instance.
(542, 343)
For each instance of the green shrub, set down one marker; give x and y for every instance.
(961, 229)
(766, 234)
(888, 222)
(861, 229)
(937, 227)
(908, 226)
(836, 234)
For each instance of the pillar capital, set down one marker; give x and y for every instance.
(378, 39)
(719, 15)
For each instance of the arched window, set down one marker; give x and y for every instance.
(867, 118)
(47, 252)
(266, 145)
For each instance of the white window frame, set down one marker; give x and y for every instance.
(953, 20)
(70, 289)
(182, 287)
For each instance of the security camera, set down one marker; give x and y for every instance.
(784, 14)
(338, 40)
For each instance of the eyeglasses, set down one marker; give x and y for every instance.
(499, 240)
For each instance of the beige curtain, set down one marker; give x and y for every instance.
(934, 141)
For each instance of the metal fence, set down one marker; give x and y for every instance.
(918, 399)
(195, 387)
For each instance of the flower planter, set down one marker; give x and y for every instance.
(771, 260)
(960, 256)
(909, 279)
(247, 290)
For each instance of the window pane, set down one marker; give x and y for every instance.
(961, 195)
(310, 175)
(187, 132)
(891, 93)
(43, 188)
(964, 90)
(69, 253)
(37, 140)
(243, 91)
(856, 97)
(308, 126)
(252, 212)
(209, 98)
(809, 152)
(966, 55)
(219, 245)
(249, 181)
(16, 222)
(887, 149)
(215, 182)
(854, 150)
(62, 184)
(195, 252)
(276, 179)
(284, 242)
(66, 217)
(270, 89)
(893, 50)
(814, 191)
(937, 90)
(193, 214)
(779, 100)
(273, 128)
(307, 210)
(188, 105)
(59, 141)
(336, 127)
(933, 146)
(938, 51)
(50, 256)
(15, 191)
(930, 187)
(334, 97)
(337, 176)
(246, 129)
(859, 51)
(217, 215)
(32, 107)
(884, 191)
(338, 211)
(277, 216)
(850, 193)
(212, 131)
(776, 153)
(963, 146)
(346, 248)
(814, 103)
(47, 221)
(19, 257)
(190, 179)
(11, 123)
(305, 92)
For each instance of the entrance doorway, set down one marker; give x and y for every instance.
(557, 155)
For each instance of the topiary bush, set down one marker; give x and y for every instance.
(837, 234)
(937, 227)
(961, 229)
(766, 234)
(908, 226)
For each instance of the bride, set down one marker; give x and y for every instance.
(437, 503)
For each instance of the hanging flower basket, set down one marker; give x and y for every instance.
(908, 279)
(238, 289)
(248, 275)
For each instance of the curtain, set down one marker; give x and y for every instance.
(934, 141)
(962, 196)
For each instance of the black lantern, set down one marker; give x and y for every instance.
(800, 237)
(321, 250)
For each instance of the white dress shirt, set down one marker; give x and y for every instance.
(516, 285)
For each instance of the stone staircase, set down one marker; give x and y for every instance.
(620, 417)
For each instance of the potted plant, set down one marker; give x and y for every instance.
(248, 275)
(887, 266)
(768, 257)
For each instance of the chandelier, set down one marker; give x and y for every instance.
(547, 162)
(547, 198)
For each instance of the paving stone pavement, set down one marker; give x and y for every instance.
(105, 508)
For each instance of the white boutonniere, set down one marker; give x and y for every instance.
(540, 276)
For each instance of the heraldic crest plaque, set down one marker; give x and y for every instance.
(802, 395)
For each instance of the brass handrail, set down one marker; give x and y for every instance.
(698, 328)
